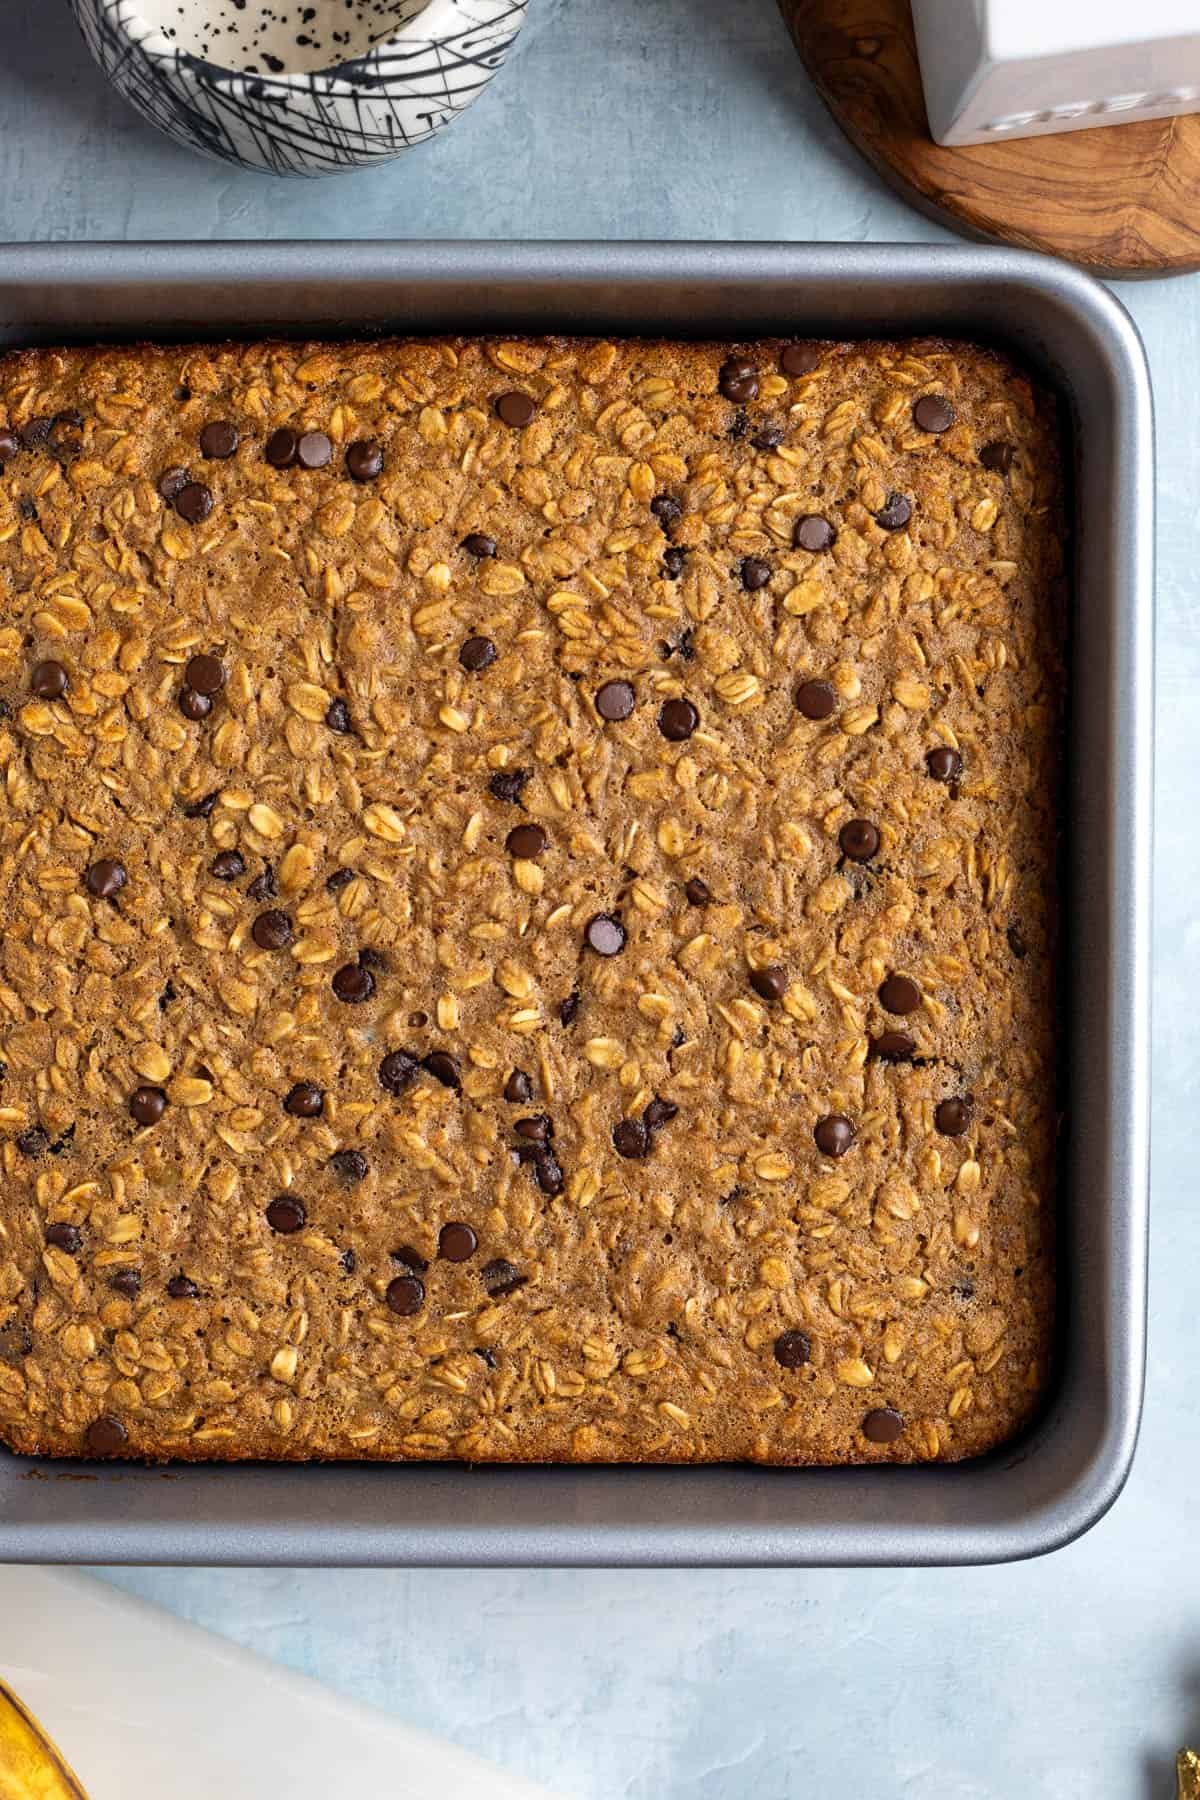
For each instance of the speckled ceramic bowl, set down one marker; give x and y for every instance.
(439, 56)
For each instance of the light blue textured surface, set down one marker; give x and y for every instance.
(1072, 1677)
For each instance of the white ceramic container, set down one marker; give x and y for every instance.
(297, 119)
(1017, 68)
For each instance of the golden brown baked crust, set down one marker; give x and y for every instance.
(614, 1306)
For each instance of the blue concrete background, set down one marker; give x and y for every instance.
(1076, 1676)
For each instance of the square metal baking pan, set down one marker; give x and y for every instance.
(1062, 1476)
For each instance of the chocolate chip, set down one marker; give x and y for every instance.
(1016, 942)
(799, 359)
(443, 1067)
(631, 1139)
(526, 842)
(568, 1009)
(286, 1215)
(698, 892)
(893, 1047)
(63, 442)
(349, 1166)
(35, 432)
(768, 436)
(895, 513)
(182, 1287)
(457, 1242)
(859, 840)
(500, 1277)
(194, 706)
(754, 572)
(9, 445)
(659, 1112)
(337, 715)
(477, 653)
(227, 865)
(792, 1349)
(738, 380)
(406, 1295)
(952, 1117)
(605, 935)
(281, 448)
(615, 700)
(172, 482)
(508, 785)
(349, 1261)
(397, 1071)
(364, 460)
(899, 994)
(147, 1105)
(477, 543)
(674, 558)
(771, 982)
(667, 510)
(410, 1259)
(353, 983)
(105, 1436)
(548, 1173)
(34, 1142)
(194, 502)
(677, 720)
(219, 440)
(127, 1283)
(537, 1130)
(882, 1425)
(64, 1237)
(272, 930)
(263, 885)
(304, 1100)
(815, 699)
(933, 412)
(313, 450)
(998, 457)
(370, 958)
(944, 764)
(834, 1134)
(813, 532)
(518, 1089)
(49, 681)
(105, 879)
(202, 808)
(515, 409)
(205, 674)
(340, 878)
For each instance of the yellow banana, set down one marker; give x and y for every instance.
(30, 1766)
